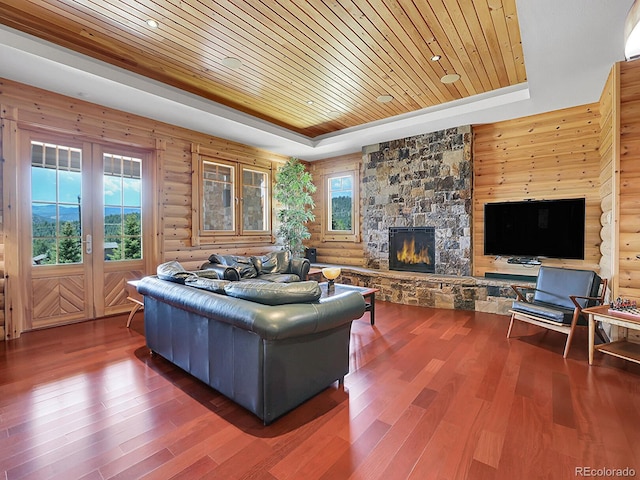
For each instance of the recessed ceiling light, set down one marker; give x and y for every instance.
(151, 23)
(309, 102)
(385, 98)
(333, 114)
(231, 62)
(450, 78)
(435, 58)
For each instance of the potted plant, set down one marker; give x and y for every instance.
(293, 189)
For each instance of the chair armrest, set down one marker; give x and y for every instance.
(599, 300)
(300, 266)
(520, 291)
(574, 299)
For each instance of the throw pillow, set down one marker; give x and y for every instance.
(244, 265)
(274, 262)
(270, 293)
(212, 274)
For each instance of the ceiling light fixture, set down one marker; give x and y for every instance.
(385, 98)
(435, 58)
(450, 78)
(231, 62)
(151, 23)
(632, 32)
(309, 102)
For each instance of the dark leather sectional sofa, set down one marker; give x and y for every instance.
(280, 266)
(267, 346)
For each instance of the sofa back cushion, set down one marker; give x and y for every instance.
(555, 285)
(270, 293)
(274, 262)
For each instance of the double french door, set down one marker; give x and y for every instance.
(84, 228)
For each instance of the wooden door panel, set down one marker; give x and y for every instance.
(115, 294)
(58, 300)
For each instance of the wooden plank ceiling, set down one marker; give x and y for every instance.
(314, 66)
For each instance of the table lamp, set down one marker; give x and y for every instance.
(331, 273)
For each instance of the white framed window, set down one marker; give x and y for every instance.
(341, 206)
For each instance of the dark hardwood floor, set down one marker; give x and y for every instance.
(432, 394)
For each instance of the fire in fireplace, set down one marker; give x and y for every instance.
(412, 249)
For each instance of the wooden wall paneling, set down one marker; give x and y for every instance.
(628, 182)
(547, 156)
(17, 314)
(2, 267)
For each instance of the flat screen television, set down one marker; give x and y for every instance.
(535, 228)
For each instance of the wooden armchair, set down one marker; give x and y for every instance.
(557, 300)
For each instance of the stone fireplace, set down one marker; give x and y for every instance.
(412, 249)
(420, 181)
(413, 184)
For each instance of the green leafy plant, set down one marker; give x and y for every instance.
(293, 189)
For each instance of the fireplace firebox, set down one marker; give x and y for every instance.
(412, 249)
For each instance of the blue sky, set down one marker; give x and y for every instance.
(43, 181)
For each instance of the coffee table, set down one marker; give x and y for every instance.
(369, 295)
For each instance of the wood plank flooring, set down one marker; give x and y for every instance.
(432, 394)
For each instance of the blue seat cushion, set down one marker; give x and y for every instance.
(546, 311)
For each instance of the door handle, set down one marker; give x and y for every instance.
(88, 244)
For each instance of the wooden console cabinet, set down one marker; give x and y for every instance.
(620, 348)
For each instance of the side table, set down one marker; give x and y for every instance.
(622, 348)
(135, 297)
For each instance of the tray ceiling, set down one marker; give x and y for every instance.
(313, 67)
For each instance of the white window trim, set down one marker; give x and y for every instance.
(329, 235)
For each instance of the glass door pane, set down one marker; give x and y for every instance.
(122, 185)
(56, 194)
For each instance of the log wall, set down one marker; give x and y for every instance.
(548, 156)
(628, 225)
(609, 176)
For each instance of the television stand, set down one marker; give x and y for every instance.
(523, 261)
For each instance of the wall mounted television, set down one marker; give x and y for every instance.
(535, 228)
